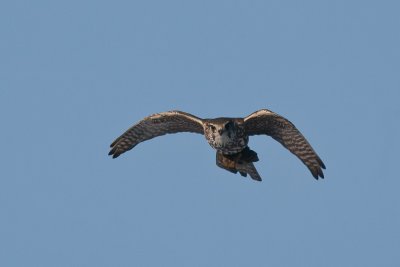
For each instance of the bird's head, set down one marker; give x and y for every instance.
(221, 128)
(229, 126)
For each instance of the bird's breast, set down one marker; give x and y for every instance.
(228, 143)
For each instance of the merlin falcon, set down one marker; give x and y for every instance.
(228, 136)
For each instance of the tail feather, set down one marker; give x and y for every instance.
(250, 169)
(240, 162)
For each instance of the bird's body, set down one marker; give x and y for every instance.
(228, 136)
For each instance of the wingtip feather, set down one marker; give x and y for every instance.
(114, 153)
(321, 164)
(317, 173)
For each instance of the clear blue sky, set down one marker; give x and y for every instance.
(76, 74)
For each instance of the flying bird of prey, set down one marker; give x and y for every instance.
(228, 136)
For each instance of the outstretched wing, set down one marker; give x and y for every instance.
(282, 130)
(153, 126)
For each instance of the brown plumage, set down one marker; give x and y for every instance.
(241, 162)
(282, 130)
(229, 136)
(153, 126)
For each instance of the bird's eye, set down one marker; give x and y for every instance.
(213, 128)
(229, 125)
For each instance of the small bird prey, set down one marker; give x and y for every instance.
(228, 136)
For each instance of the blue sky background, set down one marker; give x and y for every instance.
(75, 74)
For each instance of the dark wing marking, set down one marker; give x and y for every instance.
(282, 130)
(156, 125)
